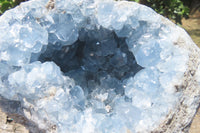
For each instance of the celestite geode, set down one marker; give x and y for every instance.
(98, 66)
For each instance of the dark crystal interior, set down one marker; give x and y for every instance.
(98, 59)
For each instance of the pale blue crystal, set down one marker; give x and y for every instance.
(90, 66)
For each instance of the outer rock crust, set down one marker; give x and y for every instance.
(179, 119)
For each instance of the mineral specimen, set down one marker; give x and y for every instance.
(93, 66)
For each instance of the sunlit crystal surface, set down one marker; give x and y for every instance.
(90, 66)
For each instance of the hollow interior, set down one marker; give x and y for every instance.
(98, 60)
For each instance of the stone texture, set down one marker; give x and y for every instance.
(11, 127)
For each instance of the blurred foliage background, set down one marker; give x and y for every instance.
(172, 9)
(7, 4)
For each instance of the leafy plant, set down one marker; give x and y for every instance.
(7, 4)
(173, 9)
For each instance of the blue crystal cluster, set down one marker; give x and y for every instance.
(90, 66)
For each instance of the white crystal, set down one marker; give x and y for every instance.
(77, 65)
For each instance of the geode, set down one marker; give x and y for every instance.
(97, 66)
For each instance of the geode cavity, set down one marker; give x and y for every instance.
(93, 66)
